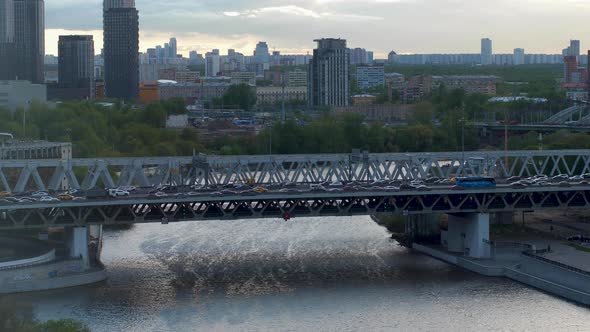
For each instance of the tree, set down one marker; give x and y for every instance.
(240, 96)
(423, 113)
(64, 325)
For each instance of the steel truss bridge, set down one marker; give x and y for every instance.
(27, 175)
(284, 205)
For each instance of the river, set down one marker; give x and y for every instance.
(315, 274)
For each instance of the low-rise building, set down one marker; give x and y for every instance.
(470, 84)
(363, 99)
(387, 113)
(243, 77)
(187, 76)
(15, 94)
(370, 77)
(149, 92)
(417, 87)
(192, 92)
(14, 149)
(271, 95)
(297, 78)
(275, 76)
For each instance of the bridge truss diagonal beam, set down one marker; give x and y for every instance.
(28, 175)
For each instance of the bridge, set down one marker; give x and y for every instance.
(29, 175)
(579, 114)
(211, 173)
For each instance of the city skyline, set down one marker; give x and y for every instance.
(291, 28)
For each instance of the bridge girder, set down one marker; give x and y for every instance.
(253, 208)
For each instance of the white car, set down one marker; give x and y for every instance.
(118, 193)
(39, 194)
(48, 199)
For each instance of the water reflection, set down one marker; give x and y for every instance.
(307, 274)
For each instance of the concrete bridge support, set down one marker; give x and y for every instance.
(469, 234)
(77, 243)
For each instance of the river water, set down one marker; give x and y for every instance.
(316, 274)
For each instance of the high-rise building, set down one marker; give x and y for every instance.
(7, 50)
(358, 56)
(328, 73)
(76, 66)
(121, 49)
(108, 4)
(486, 52)
(575, 49)
(173, 44)
(571, 67)
(392, 57)
(212, 63)
(519, 58)
(262, 58)
(29, 39)
(6, 21)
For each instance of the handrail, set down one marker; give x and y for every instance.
(48, 257)
(552, 262)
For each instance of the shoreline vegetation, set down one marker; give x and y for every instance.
(19, 317)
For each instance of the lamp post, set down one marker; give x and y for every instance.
(462, 121)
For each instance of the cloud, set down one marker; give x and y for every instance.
(408, 26)
(292, 10)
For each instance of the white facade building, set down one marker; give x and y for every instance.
(15, 94)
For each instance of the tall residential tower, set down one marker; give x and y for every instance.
(486, 52)
(328, 74)
(121, 49)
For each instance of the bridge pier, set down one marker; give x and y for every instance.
(469, 233)
(77, 244)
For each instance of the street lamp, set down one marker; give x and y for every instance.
(462, 121)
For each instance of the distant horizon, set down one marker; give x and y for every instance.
(404, 26)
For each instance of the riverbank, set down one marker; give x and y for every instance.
(34, 265)
(530, 268)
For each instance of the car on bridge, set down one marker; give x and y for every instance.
(473, 182)
(115, 193)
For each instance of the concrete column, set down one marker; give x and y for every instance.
(78, 243)
(468, 234)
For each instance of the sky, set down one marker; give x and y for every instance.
(405, 26)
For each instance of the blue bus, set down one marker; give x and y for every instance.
(474, 182)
